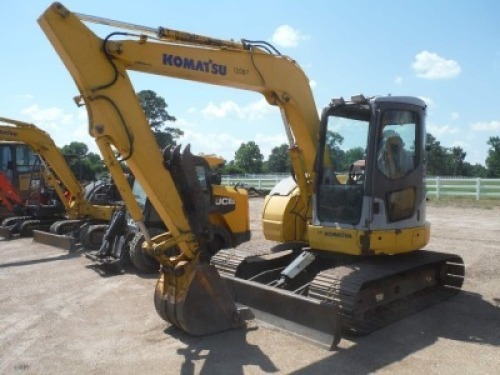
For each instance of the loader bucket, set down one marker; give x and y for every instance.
(58, 240)
(202, 306)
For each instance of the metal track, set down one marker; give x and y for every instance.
(376, 292)
(14, 220)
(227, 261)
(65, 226)
(27, 227)
(370, 293)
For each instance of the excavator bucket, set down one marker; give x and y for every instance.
(191, 295)
(199, 302)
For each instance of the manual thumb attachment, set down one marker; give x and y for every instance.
(198, 301)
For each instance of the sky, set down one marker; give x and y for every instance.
(445, 52)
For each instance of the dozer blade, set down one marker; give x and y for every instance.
(309, 319)
(5, 233)
(253, 274)
(58, 240)
(198, 302)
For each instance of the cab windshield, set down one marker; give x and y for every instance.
(341, 184)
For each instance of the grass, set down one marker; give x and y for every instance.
(464, 202)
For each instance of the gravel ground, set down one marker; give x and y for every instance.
(61, 315)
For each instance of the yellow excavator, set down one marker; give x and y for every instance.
(74, 207)
(351, 222)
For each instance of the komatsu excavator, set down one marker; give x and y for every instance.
(77, 209)
(350, 256)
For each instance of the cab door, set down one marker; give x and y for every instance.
(398, 165)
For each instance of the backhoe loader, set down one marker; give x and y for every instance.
(350, 257)
(229, 219)
(72, 210)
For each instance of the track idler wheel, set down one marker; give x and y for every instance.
(198, 301)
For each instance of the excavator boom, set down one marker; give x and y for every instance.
(122, 133)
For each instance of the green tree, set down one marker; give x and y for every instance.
(436, 157)
(354, 154)
(231, 169)
(96, 164)
(458, 155)
(493, 158)
(279, 160)
(442, 161)
(85, 165)
(249, 158)
(155, 109)
(76, 149)
(476, 170)
(337, 155)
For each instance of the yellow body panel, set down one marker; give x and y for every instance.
(281, 218)
(358, 242)
(25, 181)
(237, 220)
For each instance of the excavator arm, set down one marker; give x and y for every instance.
(192, 295)
(117, 123)
(57, 169)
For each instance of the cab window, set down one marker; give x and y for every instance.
(396, 154)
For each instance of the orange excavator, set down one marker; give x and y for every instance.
(19, 176)
(9, 195)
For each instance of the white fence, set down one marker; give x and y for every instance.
(479, 188)
(264, 182)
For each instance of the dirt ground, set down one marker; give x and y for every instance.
(61, 315)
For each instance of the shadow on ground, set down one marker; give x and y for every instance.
(465, 317)
(216, 352)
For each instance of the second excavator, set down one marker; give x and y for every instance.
(229, 221)
(351, 253)
(75, 207)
